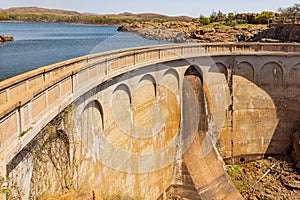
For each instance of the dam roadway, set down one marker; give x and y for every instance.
(148, 122)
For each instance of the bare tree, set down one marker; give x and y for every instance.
(292, 12)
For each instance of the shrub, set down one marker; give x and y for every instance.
(204, 21)
(264, 17)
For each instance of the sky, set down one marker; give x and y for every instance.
(191, 8)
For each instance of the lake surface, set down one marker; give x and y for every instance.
(40, 44)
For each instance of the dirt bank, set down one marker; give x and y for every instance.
(271, 178)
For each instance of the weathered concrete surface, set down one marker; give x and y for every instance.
(143, 117)
(265, 105)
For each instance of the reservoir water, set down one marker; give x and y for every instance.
(41, 44)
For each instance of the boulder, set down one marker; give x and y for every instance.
(6, 38)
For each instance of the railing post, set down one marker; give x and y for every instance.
(44, 76)
(46, 98)
(26, 85)
(7, 94)
(106, 66)
(72, 82)
(159, 54)
(19, 118)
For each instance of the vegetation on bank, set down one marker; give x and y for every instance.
(59, 16)
(33, 14)
(290, 14)
(271, 178)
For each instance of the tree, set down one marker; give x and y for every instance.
(221, 17)
(213, 17)
(230, 16)
(264, 17)
(291, 12)
(204, 21)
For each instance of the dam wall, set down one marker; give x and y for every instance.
(164, 116)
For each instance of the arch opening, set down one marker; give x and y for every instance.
(92, 125)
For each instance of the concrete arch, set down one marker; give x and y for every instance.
(271, 72)
(193, 96)
(219, 67)
(149, 78)
(244, 69)
(124, 88)
(194, 70)
(294, 74)
(92, 125)
(121, 107)
(143, 102)
(168, 79)
(199, 156)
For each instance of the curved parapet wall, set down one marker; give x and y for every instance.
(249, 102)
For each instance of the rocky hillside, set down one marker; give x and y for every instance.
(36, 10)
(192, 31)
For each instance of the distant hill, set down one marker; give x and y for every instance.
(35, 14)
(157, 16)
(36, 10)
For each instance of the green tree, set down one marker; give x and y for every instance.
(230, 16)
(213, 17)
(264, 17)
(204, 20)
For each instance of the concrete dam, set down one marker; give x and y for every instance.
(148, 122)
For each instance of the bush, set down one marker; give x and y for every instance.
(264, 17)
(233, 23)
(204, 21)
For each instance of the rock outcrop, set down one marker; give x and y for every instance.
(5, 38)
(192, 31)
(280, 32)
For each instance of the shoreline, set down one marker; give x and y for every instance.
(75, 23)
(181, 32)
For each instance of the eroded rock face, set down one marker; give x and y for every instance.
(191, 32)
(281, 32)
